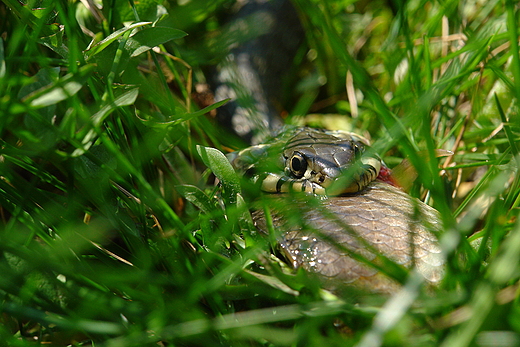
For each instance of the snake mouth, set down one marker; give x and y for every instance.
(346, 179)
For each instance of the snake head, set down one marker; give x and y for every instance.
(310, 160)
(328, 162)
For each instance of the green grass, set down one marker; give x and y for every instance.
(87, 107)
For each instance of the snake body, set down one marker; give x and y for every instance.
(354, 223)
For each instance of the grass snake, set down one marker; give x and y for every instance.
(358, 218)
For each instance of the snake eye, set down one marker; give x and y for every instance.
(298, 165)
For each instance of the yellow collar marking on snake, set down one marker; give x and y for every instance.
(310, 160)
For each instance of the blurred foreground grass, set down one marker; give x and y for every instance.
(90, 111)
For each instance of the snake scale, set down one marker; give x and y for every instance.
(358, 217)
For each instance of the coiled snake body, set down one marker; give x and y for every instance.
(359, 217)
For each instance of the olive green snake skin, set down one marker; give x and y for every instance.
(357, 220)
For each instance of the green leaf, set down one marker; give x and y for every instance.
(507, 127)
(148, 38)
(55, 42)
(101, 45)
(88, 169)
(34, 17)
(273, 282)
(63, 89)
(127, 98)
(197, 197)
(219, 164)
(185, 117)
(40, 82)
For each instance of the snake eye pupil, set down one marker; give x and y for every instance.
(298, 165)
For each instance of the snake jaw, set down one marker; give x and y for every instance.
(274, 183)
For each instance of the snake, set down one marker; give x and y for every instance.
(357, 221)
